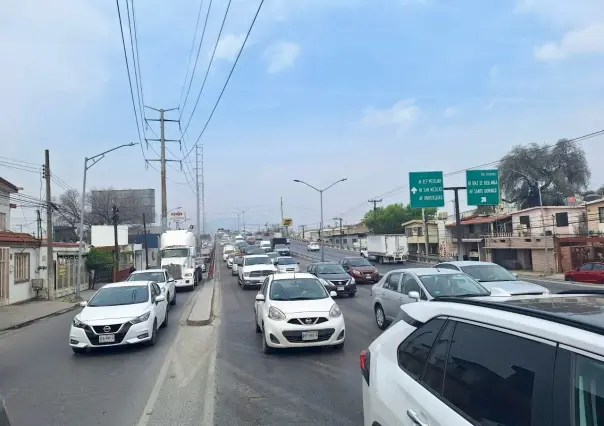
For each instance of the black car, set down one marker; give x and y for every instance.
(282, 249)
(337, 278)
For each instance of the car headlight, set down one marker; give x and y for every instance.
(246, 274)
(144, 317)
(352, 281)
(546, 291)
(188, 274)
(335, 312)
(79, 324)
(276, 314)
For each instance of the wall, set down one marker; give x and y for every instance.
(103, 236)
(574, 215)
(540, 260)
(20, 292)
(594, 225)
(4, 208)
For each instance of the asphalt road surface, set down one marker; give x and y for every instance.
(44, 383)
(333, 255)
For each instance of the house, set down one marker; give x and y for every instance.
(595, 216)
(416, 238)
(19, 255)
(350, 236)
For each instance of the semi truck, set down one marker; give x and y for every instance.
(178, 249)
(388, 248)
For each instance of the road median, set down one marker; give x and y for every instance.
(201, 311)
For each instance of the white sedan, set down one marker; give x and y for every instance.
(293, 310)
(121, 313)
(313, 247)
(161, 277)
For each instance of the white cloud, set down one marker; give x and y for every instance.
(228, 46)
(281, 56)
(403, 115)
(566, 14)
(451, 112)
(586, 40)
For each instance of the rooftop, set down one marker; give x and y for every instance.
(10, 186)
(17, 237)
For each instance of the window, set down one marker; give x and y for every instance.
(156, 290)
(589, 391)
(496, 378)
(447, 266)
(414, 351)
(525, 220)
(2, 221)
(561, 219)
(392, 281)
(420, 232)
(471, 228)
(409, 232)
(598, 267)
(600, 215)
(586, 267)
(410, 284)
(265, 286)
(21, 267)
(434, 374)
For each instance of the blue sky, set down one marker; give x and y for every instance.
(368, 90)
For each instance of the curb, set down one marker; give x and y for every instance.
(29, 322)
(198, 323)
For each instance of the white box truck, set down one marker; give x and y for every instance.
(178, 249)
(388, 248)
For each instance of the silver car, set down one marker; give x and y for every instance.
(402, 286)
(493, 275)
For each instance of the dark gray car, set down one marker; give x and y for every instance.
(337, 278)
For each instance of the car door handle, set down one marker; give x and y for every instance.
(415, 418)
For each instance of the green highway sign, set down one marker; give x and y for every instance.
(482, 187)
(426, 189)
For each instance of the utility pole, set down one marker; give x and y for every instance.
(39, 225)
(426, 238)
(197, 227)
(302, 226)
(341, 233)
(374, 202)
(50, 267)
(116, 253)
(238, 227)
(282, 211)
(458, 233)
(544, 231)
(203, 196)
(162, 139)
(145, 242)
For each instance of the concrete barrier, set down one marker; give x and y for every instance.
(201, 312)
(4, 421)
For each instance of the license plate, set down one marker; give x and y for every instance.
(340, 288)
(310, 335)
(106, 338)
(368, 276)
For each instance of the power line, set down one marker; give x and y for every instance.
(137, 64)
(228, 78)
(401, 188)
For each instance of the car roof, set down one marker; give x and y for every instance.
(577, 314)
(426, 271)
(353, 257)
(469, 262)
(286, 257)
(325, 263)
(148, 270)
(128, 284)
(292, 275)
(255, 255)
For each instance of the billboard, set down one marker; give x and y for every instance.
(287, 222)
(177, 216)
(132, 203)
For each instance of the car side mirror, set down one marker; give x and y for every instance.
(515, 274)
(83, 304)
(260, 297)
(298, 263)
(333, 294)
(160, 298)
(414, 295)
(172, 280)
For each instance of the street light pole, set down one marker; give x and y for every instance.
(321, 191)
(94, 159)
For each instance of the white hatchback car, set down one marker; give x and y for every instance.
(121, 313)
(313, 247)
(294, 310)
(161, 277)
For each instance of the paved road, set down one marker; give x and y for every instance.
(293, 387)
(44, 383)
(333, 255)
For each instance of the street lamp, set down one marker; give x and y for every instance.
(321, 191)
(94, 159)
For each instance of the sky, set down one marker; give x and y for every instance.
(367, 90)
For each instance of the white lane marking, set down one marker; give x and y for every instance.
(148, 411)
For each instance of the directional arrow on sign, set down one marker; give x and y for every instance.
(414, 190)
(483, 199)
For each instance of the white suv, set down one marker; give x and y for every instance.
(254, 269)
(519, 360)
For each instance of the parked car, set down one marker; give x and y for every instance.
(360, 269)
(402, 286)
(588, 273)
(339, 280)
(493, 275)
(279, 313)
(123, 313)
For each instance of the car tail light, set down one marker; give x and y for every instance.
(365, 361)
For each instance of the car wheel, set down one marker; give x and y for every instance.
(265, 347)
(380, 318)
(153, 340)
(78, 351)
(173, 300)
(339, 346)
(244, 286)
(165, 323)
(352, 294)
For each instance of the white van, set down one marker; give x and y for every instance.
(266, 245)
(226, 250)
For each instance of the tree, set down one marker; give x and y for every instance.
(388, 220)
(486, 210)
(560, 172)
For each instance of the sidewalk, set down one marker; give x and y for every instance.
(20, 315)
(531, 274)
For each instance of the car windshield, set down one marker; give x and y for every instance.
(488, 273)
(452, 285)
(180, 252)
(260, 260)
(280, 246)
(298, 289)
(358, 262)
(158, 277)
(286, 261)
(330, 269)
(116, 296)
